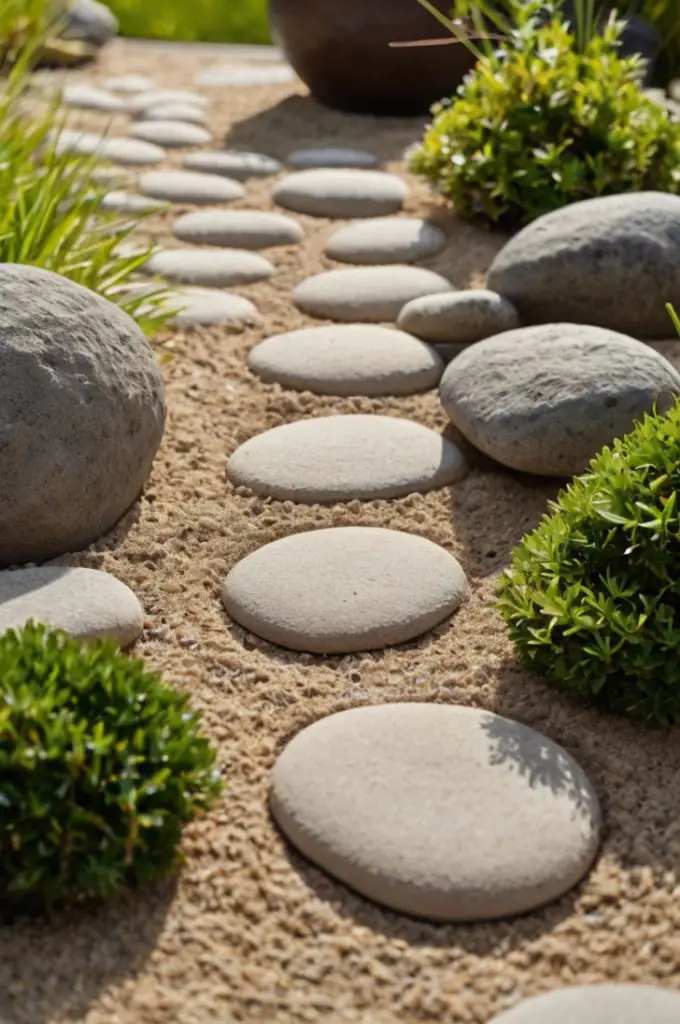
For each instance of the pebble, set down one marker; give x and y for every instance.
(459, 317)
(204, 306)
(329, 156)
(376, 294)
(347, 359)
(156, 96)
(342, 458)
(82, 602)
(228, 74)
(190, 187)
(598, 1004)
(192, 113)
(243, 229)
(171, 134)
(118, 150)
(340, 193)
(342, 590)
(439, 811)
(545, 399)
(129, 202)
(217, 268)
(87, 97)
(233, 164)
(386, 240)
(129, 84)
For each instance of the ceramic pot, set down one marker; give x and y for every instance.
(340, 49)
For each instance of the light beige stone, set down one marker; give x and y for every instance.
(375, 294)
(459, 318)
(331, 156)
(171, 134)
(386, 240)
(233, 163)
(333, 193)
(243, 229)
(189, 112)
(598, 1004)
(190, 187)
(128, 84)
(341, 458)
(129, 152)
(440, 811)
(348, 359)
(217, 268)
(345, 589)
(85, 603)
(129, 202)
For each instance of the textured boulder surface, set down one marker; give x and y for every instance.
(82, 413)
(90, 22)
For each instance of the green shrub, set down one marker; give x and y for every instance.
(546, 119)
(218, 21)
(592, 596)
(664, 15)
(101, 765)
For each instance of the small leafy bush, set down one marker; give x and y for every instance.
(548, 116)
(592, 596)
(101, 765)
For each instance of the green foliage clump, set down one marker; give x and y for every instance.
(215, 21)
(101, 765)
(548, 116)
(592, 596)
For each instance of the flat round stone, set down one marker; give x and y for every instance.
(347, 359)
(375, 294)
(155, 96)
(386, 240)
(205, 306)
(441, 811)
(87, 97)
(233, 164)
(598, 1004)
(248, 74)
(131, 152)
(459, 318)
(83, 602)
(329, 193)
(171, 134)
(128, 84)
(218, 268)
(341, 458)
(343, 590)
(330, 156)
(129, 202)
(190, 187)
(192, 113)
(243, 229)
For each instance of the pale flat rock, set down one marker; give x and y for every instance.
(545, 399)
(242, 229)
(331, 156)
(171, 134)
(217, 268)
(386, 240)
(85, 603)
(343, 590)
(341, 193)
(192, 113)
(88, 97)
(439, 811)
(155, 96)
(130, 202)
(249, 74)
(375, 294)
(341, 458)
(598, 1004)
(129, 152)
(205, 306)
(347, 359)
(190, 187)
(233, 164)
(107, 176)
(459, 318)
(128, 84)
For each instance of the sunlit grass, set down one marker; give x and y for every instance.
(227, 21)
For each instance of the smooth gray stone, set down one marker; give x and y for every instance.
(242, 229)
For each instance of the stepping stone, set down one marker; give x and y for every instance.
(330, 156)
(129, 202)
(190, 187)
(342, 458)
(204, 306)
(156, 96)
(440, 811)
(545, 399)
(328, 193)
(228, 74)
(171, 134)
(233, 164)
(192, 113)
(375, 294)
(344, 590)
(459, 318)
(598, 1004)
(243, 229)
(130, 152)
(107, 176)
(83, 602)
(128, 84)
(351, 359)
(217, 268)
(386, 240)
(87, 97)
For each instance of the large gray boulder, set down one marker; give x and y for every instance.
(613, 262)
(545, 399)
(89, 22)
(82, 413)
